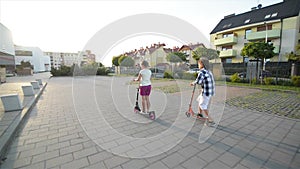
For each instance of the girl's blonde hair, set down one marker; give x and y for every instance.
(145, 63)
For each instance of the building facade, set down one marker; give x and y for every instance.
(35, 56)
(7, 50)
(278, 24)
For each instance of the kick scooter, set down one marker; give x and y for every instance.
(137, 108)
(190, 112)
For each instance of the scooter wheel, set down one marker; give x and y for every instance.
(152, 115)
(187, 114)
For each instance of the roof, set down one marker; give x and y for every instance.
(286, 9)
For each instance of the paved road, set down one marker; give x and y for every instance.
(88, 122)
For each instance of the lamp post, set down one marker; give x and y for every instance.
(266, 41)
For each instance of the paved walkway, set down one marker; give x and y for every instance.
(89, 123)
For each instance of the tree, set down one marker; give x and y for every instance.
(205, 52)
(260, 51)
(294, 56)
(176, 57)
(115, 61)
(126, 61)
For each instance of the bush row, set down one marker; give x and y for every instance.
(76, 71)
(295, 81)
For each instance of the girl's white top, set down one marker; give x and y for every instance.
(146, 76)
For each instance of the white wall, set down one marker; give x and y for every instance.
(37, 59)
(6, 46)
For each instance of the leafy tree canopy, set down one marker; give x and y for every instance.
(205, 52)
(176, 57)
(258, 50)
(126, 61)
(115, 60)
(294, 57)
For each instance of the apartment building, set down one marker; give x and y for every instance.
(63, 58)
(277, 24)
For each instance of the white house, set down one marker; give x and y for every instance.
(35, 56)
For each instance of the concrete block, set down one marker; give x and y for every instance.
(28, 90)
(40, 81)
(35, 85)
(11, 102)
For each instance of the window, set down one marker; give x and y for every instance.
(247, 21)
(247, 31)
(228, 35)
(263, 28)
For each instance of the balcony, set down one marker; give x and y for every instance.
(271, 34)
(226, 41)
(228, 53)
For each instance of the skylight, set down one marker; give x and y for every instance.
(268, 16)
(247, 21)
(274, 14)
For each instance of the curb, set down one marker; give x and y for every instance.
(8, 136)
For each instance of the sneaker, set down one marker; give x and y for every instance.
(144, 112)
(212, 124)
(200, 115)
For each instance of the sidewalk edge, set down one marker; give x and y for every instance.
(8, 136)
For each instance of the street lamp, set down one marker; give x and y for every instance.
(266, 41)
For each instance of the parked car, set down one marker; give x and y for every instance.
(194, 70)
(242, 74)
(265, 73)
(157, 73)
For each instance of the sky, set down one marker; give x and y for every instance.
(68, 25)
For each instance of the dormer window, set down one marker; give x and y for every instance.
(247, 21)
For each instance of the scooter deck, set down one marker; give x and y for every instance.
(195, 115)
(151, 114)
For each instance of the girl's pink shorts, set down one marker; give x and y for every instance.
(145, 90)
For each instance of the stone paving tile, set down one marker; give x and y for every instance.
(54, 138)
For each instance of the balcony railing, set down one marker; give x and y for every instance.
(226, 41)
(271, 34)
(228, 53)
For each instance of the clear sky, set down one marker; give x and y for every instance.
(67, 25)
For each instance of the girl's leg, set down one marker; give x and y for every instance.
(144, 103)
(147, 103)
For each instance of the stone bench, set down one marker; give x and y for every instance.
(35, 85)
(40, 81)
(11, 102)
(28, 90)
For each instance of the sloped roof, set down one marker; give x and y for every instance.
(286, 9)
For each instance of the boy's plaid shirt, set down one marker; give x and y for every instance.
(206, 80)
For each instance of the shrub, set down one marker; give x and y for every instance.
(268, 81)
(168, 74)
(189, 76)
(296, 81)
(62, 71)
(235, 78)
(102, 71)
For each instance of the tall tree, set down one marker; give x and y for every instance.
(176, 57)
(115, 61)
(294, 56)
(260, 51)
(205, 52)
